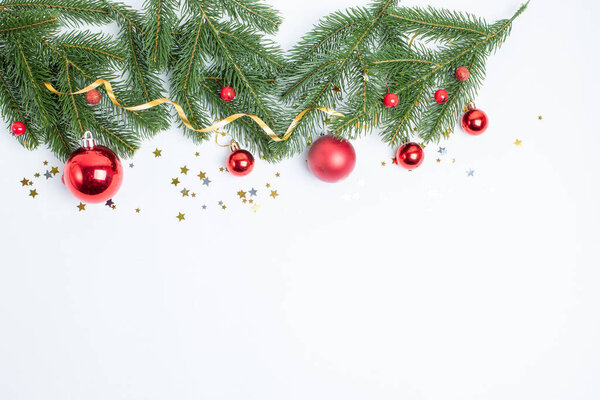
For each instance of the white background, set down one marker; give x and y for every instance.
(390, 285)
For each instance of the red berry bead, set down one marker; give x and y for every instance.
(93, 97)
(441, 96)
(462, 74)
(391, 100)
(227, 93)
(18, 128)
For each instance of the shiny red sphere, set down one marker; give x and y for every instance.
(462, 74)
(441, 96)
(475, 122)
(18, 128)
(93, 175)
(93, 97)
(227, 93)
(331, 159)
(410, 156)
(240, 162)
(391, 100)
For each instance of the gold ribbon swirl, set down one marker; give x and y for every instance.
(218, 125)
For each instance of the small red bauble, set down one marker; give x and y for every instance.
(93, 173)
(475, 122)
(18, 128)
(410, 156)
(441, 96)
(93, 97)
(331, 159)
(391, 100)
(462, 74)
(227, 93)
(240, 162)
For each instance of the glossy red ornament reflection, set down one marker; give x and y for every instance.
(93, 173)
(227, 93)
(391, 100)
(331, 159)
(240, 162)
(410, 156)
(475, 122)
(441, 96)
(18, 128)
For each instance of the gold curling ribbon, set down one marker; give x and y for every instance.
(218, 125)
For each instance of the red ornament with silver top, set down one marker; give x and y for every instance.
(240, 162)
(475, 121)
(410, 156)
(331, 159)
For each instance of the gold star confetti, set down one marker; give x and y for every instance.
(383, 164)
(45, 162)
(244, 201)
(336, 89)
(222, 169)
(33, 193)
(278, 175)
(194, 195)
(81, 207)
(274, 194)
(54, 170)
(518, 143)
(224, 207)
(540, 118)
(268, 185)
(157, 153)
(251, 201)
(197, 154)
(114, 206)
(255, 208)
(422, 145)
(202, 175)
(453, 160)
(242, 194)
(175, 181)
(25, 182)
(37, 175)
(438, 160)
(180, 217)
(184, 169)
(137, 210)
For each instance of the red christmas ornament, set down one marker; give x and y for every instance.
(441, 96)
(18, 128)
(93, 173)
(410, 156)
(462, 74)
(331, 159)
(475, 121)
(391, 100)
(93, 97)
(240, 162)
(227, 93)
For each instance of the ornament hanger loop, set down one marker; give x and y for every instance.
(88, 141)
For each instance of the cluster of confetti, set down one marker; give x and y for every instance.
(50, 173)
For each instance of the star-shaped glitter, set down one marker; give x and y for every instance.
(224, 207)
(110, 203)
(220, 203)
(131, 165)
(33, 193)
(442, 150)
(194, 195)
(274, 194)
(48, 175)
(137, 210)
(197, 154)
(222, 169)
(157, 153)
(45, 162)
(540, 118)
(81, 207)
(241, 194)
(255, 208)
(438, 160)
(185, 192)
(206, 181)
(175, 181)
(204, 206)
(470, 173)
(277, 175)
(37, 175)
(268, 185)
(184, 170)
(202, 175)
(25, 182)
(383, 164)
(180, 217)
(54, 170)
(253, 192)
(518, 143)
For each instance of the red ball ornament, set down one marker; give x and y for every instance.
(18, 128)
(391, 100)
(331, 159)
(462, 74)
(240, 162)
(441, 96)
(93, 173)
(93, 97)
(227, 93)
(475, 121)
(410, 156)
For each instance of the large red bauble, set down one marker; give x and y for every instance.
(240, 162)
(18, 128)
(410, 156)
(475, 122)
(227, 93)
(331, 159)
(93, 175)
(391, 100)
